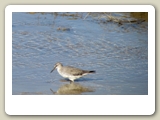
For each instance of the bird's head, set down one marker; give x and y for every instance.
(57, 65)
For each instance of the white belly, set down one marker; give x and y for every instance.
(71, 77)
(74, 77)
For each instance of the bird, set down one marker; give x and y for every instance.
(70, 72)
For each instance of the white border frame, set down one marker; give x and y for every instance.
(79, 104)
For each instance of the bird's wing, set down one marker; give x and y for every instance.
(74, 71)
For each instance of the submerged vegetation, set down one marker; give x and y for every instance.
(127, 17)
(119, 18)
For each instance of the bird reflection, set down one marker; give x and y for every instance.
(72, 89)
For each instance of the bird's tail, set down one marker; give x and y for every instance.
(91, 71)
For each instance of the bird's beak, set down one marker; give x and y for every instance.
(53, 68)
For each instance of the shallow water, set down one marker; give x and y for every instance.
(118, 53)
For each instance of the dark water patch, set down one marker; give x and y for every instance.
(140, 15)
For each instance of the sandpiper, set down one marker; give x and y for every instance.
(70, 72)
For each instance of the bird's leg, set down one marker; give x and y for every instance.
(71, 81)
